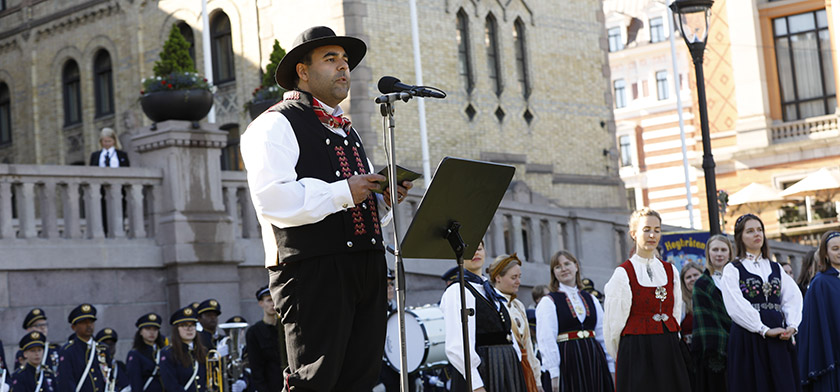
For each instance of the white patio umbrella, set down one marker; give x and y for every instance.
(756, 198)
(823, 184)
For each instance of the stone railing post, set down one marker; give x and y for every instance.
(193, 228)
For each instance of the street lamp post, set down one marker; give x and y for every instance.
(693, 19)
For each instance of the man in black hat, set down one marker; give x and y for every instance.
(311, 184)
(118, 374)
(36, 321)
(209, 311)
(266, 347)
(83, 362)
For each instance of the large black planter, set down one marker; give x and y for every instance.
(186, 105)
(257, 107)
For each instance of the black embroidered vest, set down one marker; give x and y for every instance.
(566, 321)
(492, 326)
(765, 295)
(329, 157)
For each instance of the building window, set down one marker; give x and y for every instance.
(491, 43)
(103, 83)
(803, 60)
(231, 158)
(5, 115)
(222, 49)
(614, 36)
(631, 198)
(72, 93)
(620, 99)
(2, 5)
(520, 52)
(662, 85)
(187, 32)
(624, 150)
(657, 30)
(464, 63)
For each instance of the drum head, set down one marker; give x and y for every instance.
(415, 342)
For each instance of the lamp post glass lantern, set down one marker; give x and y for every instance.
(693, 18)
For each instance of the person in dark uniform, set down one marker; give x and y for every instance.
(142, 365)
(183, 364)
(33, 376)
(312, 187)
(109, 155)
(83, 362)
(266, 347)
(118, 374)
(36, 321)
(208, 315)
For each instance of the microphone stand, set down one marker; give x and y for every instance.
(387, 110)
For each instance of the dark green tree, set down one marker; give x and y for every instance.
(277, 54)
(175, 56)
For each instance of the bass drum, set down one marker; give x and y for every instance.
(425, 334)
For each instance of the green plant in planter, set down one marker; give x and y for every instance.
(268, 89)
(175, 70)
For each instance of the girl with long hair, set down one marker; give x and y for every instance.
(689, 274)
(143, 360)
(183, 366)
(642, 310)
(766, 307)
(819, 357)
(710, 331)
(570, 331)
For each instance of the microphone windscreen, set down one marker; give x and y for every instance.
(386, 84)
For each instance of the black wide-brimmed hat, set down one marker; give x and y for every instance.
(312, 38)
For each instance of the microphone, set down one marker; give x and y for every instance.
(390, 84)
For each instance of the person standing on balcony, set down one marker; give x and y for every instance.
(766, 307)
(109, 155)
(819, 356)
(642, 309)
(311, 184)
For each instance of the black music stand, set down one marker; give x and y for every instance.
(453, 217)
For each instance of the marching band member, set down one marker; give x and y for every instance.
(642, 310)
(766, 307)
(494, 356)
(266, 347)
(208, 315)
(33, 376)
(117, 378)
(183, 366)
(143, 363)
(83, 362)
(36, 320)
(570, 332)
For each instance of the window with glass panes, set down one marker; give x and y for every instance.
(657, 30)
(5, 114)
(662, 85)
(803, 61)
(491, 43)
(103, 83)
(624, 150)
(520, 51)
(72, 93)
(614, 37)
(620, 99)
(464, 61)
(222, 49)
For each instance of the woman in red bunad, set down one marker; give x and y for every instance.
(641, 315)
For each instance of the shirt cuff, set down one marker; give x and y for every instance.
(476, 379)
(764, 330)
(554, 372)
(342, 197)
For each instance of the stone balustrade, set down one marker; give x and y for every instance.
(810, 128)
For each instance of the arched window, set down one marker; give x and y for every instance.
(72, 93)
(5, 115)
(103, 83)
(520, 50)
(491, 42)
(465, 68)
(222, 49)
(187, 32)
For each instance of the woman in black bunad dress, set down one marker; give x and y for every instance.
(494, 354)
(143, 359)
(711, 321)
(570, 332)
(183, 364)
(641, 313)
(765, 305)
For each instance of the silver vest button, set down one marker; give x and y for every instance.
(349, 244)
(373, 241)
(346, 142)
(328, 142)
(337, 173)
(358, 145)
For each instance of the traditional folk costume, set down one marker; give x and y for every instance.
(494, 355)
(643, 304)
(759, 296)
(571, 339)
(710, 334)
(522, 335)
(819, 356)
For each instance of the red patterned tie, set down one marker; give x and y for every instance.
(330, 120)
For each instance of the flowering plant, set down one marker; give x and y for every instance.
(268, 89)
(176, 81)
(175, 70)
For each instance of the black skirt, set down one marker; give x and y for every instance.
(499, 369)
(583, 367)
(707, 379)
(652, 363)
(761, 364)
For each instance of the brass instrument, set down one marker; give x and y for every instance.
(224, 370)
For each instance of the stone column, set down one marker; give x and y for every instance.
(194, 230)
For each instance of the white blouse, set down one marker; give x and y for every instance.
(548, 329)
(740, 309)
(450, 305)
(619, 297)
